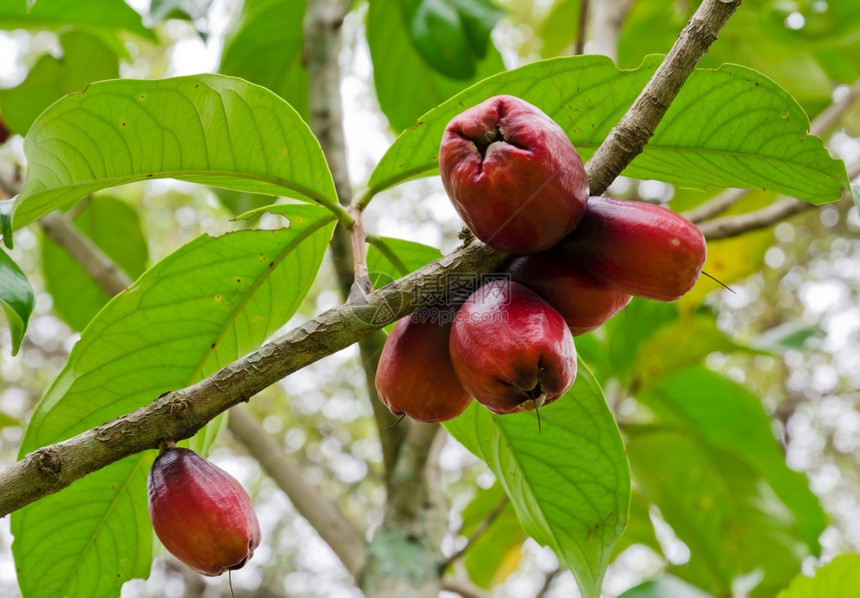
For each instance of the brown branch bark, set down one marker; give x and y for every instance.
(629, 136)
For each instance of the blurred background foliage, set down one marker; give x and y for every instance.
(713, 394)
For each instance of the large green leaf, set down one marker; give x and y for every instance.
(710, 462)
(840, 578)
(568, 481)
(195, 311)
(270, 28)
(406, 86)
(732, 522)
(86, 58)
(114, 227)
(209, 129)
(665, 586)
(104, 15)
(451, 35)
(16, 299)
(389, 258)
(754, 136)
(724, 415)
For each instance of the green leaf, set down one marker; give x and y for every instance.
(497, 551)
(640, 529)
(666, 586)
(759, 142)
(198, 309)
(558, 30)
(114, 227)
(451, 35)
(208, 129)
(270, 28)
(679, 343)
(16, 298)
(86, 58)
(629, 330)
(789, 336)
(838, 578)
(192, 10)
(731, 521)
(726, 416)
(397, 66)
(7, 421)
(568, 482)
(389, 258)
(103, 15)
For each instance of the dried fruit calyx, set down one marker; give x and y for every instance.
(513, 175)
(511, 350)
(415, 376)
(201, 513)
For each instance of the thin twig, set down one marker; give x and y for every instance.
(548, 581)
(464, 587)
(103, 270)
(820, 124)
(479, 531)
(582, 28)
(733, 226)
(629, 136)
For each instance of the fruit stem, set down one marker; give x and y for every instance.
(718, 281)
(166, 445)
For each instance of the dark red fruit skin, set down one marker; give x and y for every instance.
(201, 513)
(638, 248)
(511, 350)
(513, 175)
(415, 376)
(584, 302)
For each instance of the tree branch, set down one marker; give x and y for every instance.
(629, 136)
(179, 414)
(464, 587)
(479, 531)
(732, 226)
(325, 517)
(322, 32)
(110, 278)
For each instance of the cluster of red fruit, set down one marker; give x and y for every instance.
(520, 185)
(201, 513)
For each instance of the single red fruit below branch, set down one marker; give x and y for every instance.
(415, 376)
(201, 513)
